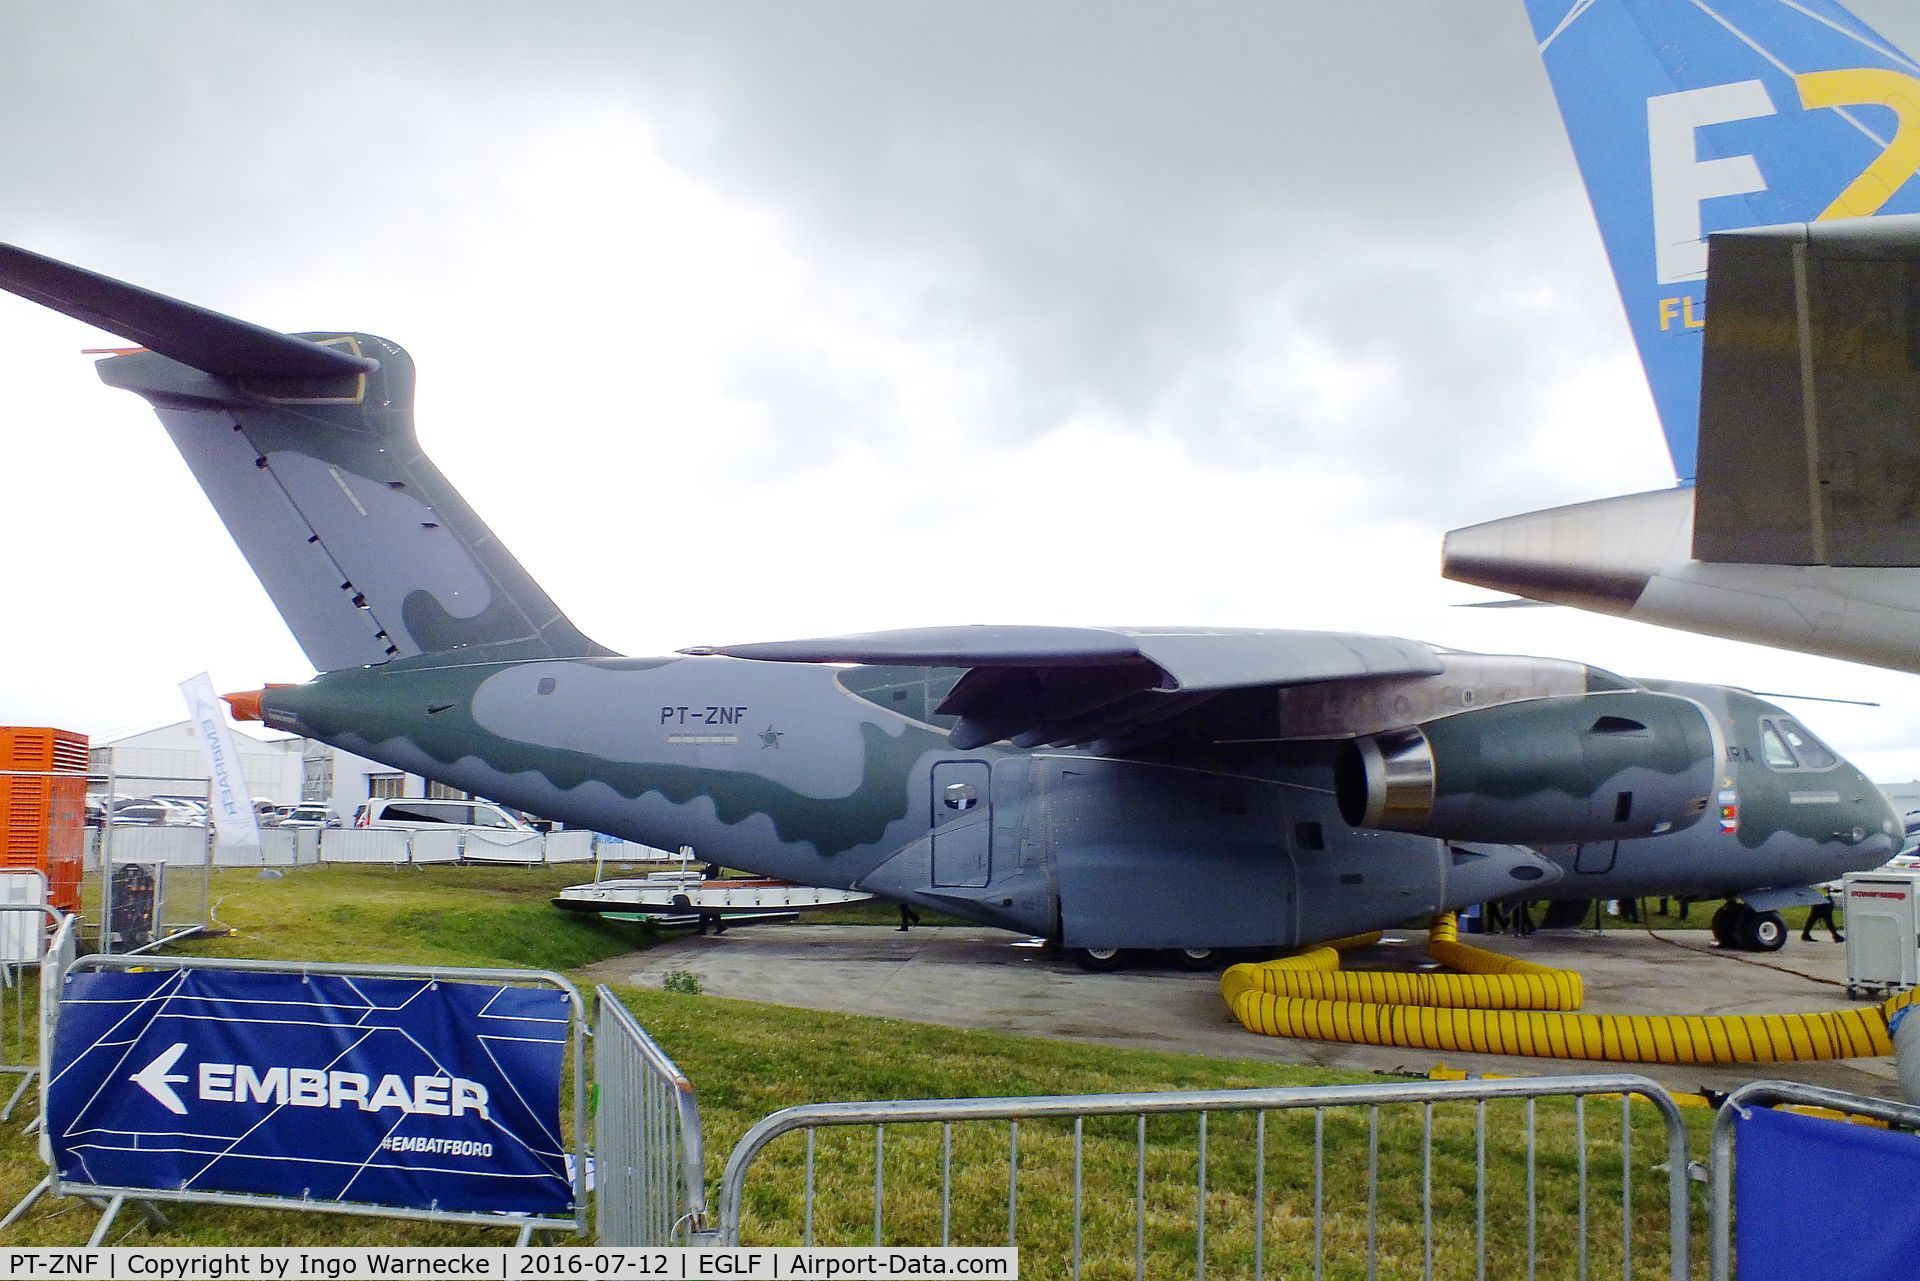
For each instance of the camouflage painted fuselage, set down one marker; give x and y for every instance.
(786, 771)
(844, 777)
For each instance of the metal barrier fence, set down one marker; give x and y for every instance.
(1272, 1196)
(62, 962)
(649, 1163)
(24, 944)
(1768, 1094)
(140, 904)
(186, 846)
(140, 898)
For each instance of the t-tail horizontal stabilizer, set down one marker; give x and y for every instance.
(192, 335)
(1809, 395)
(1751, 165)
(305, 444)
(1690, 118)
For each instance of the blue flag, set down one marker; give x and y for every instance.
(1821, 1198)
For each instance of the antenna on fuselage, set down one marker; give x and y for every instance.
(1811, 698)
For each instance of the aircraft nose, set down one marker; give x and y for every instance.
(1876, 835)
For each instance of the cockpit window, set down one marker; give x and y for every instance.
(1785, 744)
(1773, 748)
(1812, 752)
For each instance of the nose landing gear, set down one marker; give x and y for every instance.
(1737, 926)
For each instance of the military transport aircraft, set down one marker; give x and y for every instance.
(1109, 788)
(1788, 354)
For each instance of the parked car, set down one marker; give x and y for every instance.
(99, 803)
(156, 813)
(194, 805)
(411, 813)
(310, 816)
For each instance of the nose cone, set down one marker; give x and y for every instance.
(1483, 872)
(1877, 836)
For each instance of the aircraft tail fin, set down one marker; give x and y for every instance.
(1690, 117)
(305, 444)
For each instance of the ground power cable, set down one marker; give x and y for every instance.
(1720, 953)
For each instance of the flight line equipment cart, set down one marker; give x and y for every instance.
(1883, 931)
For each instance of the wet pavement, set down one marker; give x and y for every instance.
(979, 978)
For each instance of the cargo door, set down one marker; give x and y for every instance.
(1596, 857)
(962, 824)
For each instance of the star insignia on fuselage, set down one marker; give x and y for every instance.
(770, 738)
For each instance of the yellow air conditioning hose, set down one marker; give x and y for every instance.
(1489, 980)
(1321, 958)
(1262, 998)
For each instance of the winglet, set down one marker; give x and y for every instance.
(206, 340)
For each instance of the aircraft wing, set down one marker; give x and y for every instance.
(1072, 685)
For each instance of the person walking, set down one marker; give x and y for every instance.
(1822, 914)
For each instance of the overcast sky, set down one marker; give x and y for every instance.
(749, 321)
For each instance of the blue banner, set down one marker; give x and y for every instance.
(394, 1092)
(1820, 1198)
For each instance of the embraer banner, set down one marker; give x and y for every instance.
(397, 1092)
(233, 815)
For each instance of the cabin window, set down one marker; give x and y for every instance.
(1774, 749)
(1785, 744)
(428, 812)
(1813, 754)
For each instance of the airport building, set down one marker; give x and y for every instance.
(281, 768)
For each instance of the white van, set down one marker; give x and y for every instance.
(415, 814)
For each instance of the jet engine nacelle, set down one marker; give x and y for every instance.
(1588, 767)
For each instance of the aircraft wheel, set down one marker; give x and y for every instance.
(1197, 958)
(1099, 960)
(1764, 932)
(1726, 924)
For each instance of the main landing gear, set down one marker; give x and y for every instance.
(1737, 926)
(1102, 960)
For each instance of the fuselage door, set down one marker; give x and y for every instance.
(962, 824)
(1596, 856)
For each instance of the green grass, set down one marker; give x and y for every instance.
(748, 1060)
(1700, 917)
(413, 915)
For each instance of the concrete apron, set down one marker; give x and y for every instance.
(978, 978)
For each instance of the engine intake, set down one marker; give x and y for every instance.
(1590, 767)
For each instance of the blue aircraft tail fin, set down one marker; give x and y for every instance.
(1695, 116)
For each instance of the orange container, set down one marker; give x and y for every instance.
(43, 820)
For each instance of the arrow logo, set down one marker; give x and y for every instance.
(156, 1080)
